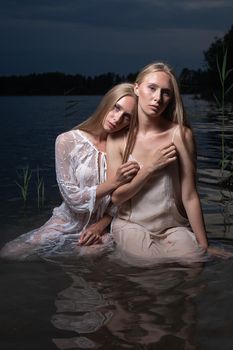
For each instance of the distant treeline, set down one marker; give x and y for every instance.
(60, 84)
(203, 82)
(191, 82)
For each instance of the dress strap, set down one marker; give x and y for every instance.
(174, 133)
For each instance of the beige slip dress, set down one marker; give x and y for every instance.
(153, 224)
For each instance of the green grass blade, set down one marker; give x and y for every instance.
(229, 89)
(217, 101)
(228, 72)
(219, 72)
(224, 64)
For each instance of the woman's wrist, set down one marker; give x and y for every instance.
(204, 245)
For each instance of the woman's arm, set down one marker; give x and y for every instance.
(158, 159)
(92, 234)
(190, 197)
(115, 145)
(80, 195)
(123, 174)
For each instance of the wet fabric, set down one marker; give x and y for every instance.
(153, 224)
(80, 167)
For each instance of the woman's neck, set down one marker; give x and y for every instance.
(100, 135)
(99, 139)
(156, 124)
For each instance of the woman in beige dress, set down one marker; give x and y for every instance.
(160, 214)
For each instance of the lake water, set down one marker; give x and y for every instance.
(101, 303)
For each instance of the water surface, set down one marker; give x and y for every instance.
(101, 303)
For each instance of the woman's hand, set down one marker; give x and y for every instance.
(126, 172)
(219, 252)
(92, 235)
(161, 157)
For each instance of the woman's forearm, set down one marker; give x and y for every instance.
(92, 234)
(127, 191)
(196, 220)
(101, 225)
(105, 188)
(123, 174)
(155, 161)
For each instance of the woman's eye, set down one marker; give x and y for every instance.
(126, 118)
(116, 108)
(166, 93)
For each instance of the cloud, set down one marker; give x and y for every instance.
(130, 14)
(96, 36)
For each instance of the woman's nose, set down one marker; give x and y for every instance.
(117, 117)
(157, 95)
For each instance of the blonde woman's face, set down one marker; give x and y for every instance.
(119, 116)
(154, 93)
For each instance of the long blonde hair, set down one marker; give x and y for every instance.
(175, 110)
(95, 121)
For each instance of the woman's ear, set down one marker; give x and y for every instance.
(136, 89)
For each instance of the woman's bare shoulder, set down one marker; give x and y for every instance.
(118, 137)
(183, 134)
(185, 143)
(116, 142)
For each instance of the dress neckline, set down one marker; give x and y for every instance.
(89, 141)
(131, 157)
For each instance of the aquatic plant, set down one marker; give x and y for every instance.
(24, 186)
(40, 190)
(26, 177)
(226, 161)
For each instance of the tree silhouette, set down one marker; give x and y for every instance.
(206, 81)
(217, 49)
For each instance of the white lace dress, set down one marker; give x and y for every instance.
(80, 167)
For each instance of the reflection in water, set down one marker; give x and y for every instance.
(81, 309)
(102, 304)
(161, 311)
(136, 308)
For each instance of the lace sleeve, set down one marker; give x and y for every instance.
(72, 179)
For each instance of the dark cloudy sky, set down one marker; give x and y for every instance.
(97, 36)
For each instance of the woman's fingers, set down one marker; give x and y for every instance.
(89, 238)
(92, 240)
(162, 157)
(126, 172)
(169, 150)
(131, 165)
(84, 237)
(130, 174)
(168, 153)
(220, 252)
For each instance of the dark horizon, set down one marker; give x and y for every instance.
(61, 84)
(190, 80)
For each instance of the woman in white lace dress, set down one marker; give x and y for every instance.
(81, 220)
